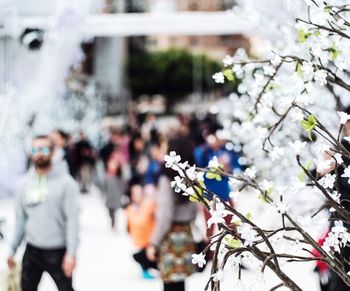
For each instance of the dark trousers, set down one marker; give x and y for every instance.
(111, 212)
(176, 286)
(144, 262)
(36, 261)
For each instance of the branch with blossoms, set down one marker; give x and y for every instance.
(243, 236)
(285, 107)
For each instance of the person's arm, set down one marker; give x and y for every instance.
(165, 211)
(71, 210)
(21, 218)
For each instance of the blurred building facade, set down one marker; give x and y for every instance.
(105, 57)
(217, 46)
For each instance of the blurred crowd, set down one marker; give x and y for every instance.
(129, 170)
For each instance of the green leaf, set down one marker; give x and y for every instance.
(232, 242)
(272, 86)
(229, 75)
(264, 198)
(198, 190)
(193, 198)
(335, 53)
(328, 9)
(302, 35)
(248, 215)
(300, 70)
(212, 175)
(301, 176)
(251, 116)
(309, 124)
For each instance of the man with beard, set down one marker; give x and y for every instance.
(47, 216)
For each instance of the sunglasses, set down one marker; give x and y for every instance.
(45, 151)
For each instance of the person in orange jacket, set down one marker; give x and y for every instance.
(141, 219)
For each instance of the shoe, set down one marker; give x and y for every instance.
(147, 275)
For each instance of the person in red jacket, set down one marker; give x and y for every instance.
(321, 267)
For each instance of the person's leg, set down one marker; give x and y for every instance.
(145, 264)
(174, 286)
(112, 216)
(31, 270)
(53, 261)
(85, 177)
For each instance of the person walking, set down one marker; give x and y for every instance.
(335, 282)
(47, 209)
(141, 217)
(113, 188)
(85, 159)
(172, 242)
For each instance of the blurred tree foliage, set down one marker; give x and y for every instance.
(171, 73)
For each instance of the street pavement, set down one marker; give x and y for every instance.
(105, 257)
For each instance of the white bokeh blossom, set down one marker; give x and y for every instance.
(219, 77)
(328, 181)
(346, 173)
(171, 159)
(199, 259)
(344, 117)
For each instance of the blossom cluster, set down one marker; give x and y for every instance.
(337, 238)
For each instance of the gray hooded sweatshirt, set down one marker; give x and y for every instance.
(47, 211)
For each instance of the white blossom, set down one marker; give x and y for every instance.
(182, 166)
(234, 195)
(248, 234)
(228, 61)
(234, 183)
(199, 259)
(335, 196)
(171, 159)
(297, 115)
(266, 185)
(346, 173)
(276, 153)
(344, 117)
(338, 158)
(234, 262)
(321, 77)
(269, 71)
(250, 172)
(214, 163)
(189, 192)
(280, 206)
(200, 176)
(328, 181)
(218, 276)
(191, 173)
(309, 2)
(297, 146)
(276, 60)
(217, 212)
(178, 184)
(338, 237)
(219, 77)
(308, 70)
